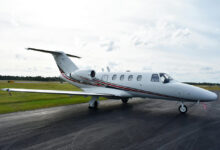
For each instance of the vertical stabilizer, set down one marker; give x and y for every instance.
(64, 63)
(62, 60)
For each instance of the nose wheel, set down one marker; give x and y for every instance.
(124, 100)
(183, 108)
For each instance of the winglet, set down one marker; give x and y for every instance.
(5, 89)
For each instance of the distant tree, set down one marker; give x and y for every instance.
(29, 78)
(203, 83)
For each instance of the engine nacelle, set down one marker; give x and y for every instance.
(83, 74)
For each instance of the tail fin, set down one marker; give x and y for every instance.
(63, 62)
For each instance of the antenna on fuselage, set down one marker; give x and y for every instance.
(108, 69)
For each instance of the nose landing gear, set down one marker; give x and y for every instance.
(124, 100)
(182, 108)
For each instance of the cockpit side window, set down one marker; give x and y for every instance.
(154, 78)
(165, 78)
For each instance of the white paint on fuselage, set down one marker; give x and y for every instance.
(173, 90)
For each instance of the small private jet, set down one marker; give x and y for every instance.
(121, 85)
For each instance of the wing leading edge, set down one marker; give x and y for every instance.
(57, 92)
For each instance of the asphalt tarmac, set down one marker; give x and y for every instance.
(140, 124)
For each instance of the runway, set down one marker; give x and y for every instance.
(140, 124)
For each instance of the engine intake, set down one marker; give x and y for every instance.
(92, 74)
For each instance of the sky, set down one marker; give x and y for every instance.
(179, 37)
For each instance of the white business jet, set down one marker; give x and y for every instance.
(122, 85)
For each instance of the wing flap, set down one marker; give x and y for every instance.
(81, 93)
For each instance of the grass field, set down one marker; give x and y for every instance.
(29, 101)
(211, 88)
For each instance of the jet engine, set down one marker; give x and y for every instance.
(83, 75)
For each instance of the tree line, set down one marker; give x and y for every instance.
(203, 83)
(29, 78)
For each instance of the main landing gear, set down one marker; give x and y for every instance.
(182, 108)
(93, 103)
(124, 100)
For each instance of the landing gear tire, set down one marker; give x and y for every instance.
(124, 100)
(95, 105)
(183, 109)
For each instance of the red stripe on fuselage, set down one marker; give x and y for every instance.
(97, 83)
(134, 90)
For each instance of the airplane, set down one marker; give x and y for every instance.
(121, 85)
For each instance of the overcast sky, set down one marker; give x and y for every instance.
(180, 37)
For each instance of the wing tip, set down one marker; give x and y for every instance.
(5, 89)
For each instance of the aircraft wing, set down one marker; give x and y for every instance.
(81, 93)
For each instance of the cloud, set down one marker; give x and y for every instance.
(109, 45)
(162, 33)
(33, 69)
(112, 65)
(147, 68)
(48, 68)
(20, 57)
(206, 68)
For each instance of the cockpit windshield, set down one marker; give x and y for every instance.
(165, 78)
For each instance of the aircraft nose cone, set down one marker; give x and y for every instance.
(212, 96)
(197, 93)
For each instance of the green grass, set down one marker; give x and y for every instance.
(30, 101)
(211, 88)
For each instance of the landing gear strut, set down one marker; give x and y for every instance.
(124, 100)
(182, 108)
(93, 103)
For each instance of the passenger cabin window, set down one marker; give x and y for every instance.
(155, 78)
(130, 77)
(122, 77)
(114, 77)
(139, 77)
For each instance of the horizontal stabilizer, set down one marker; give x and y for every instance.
(52, 52)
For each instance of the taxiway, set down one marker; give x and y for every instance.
(140, 124)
